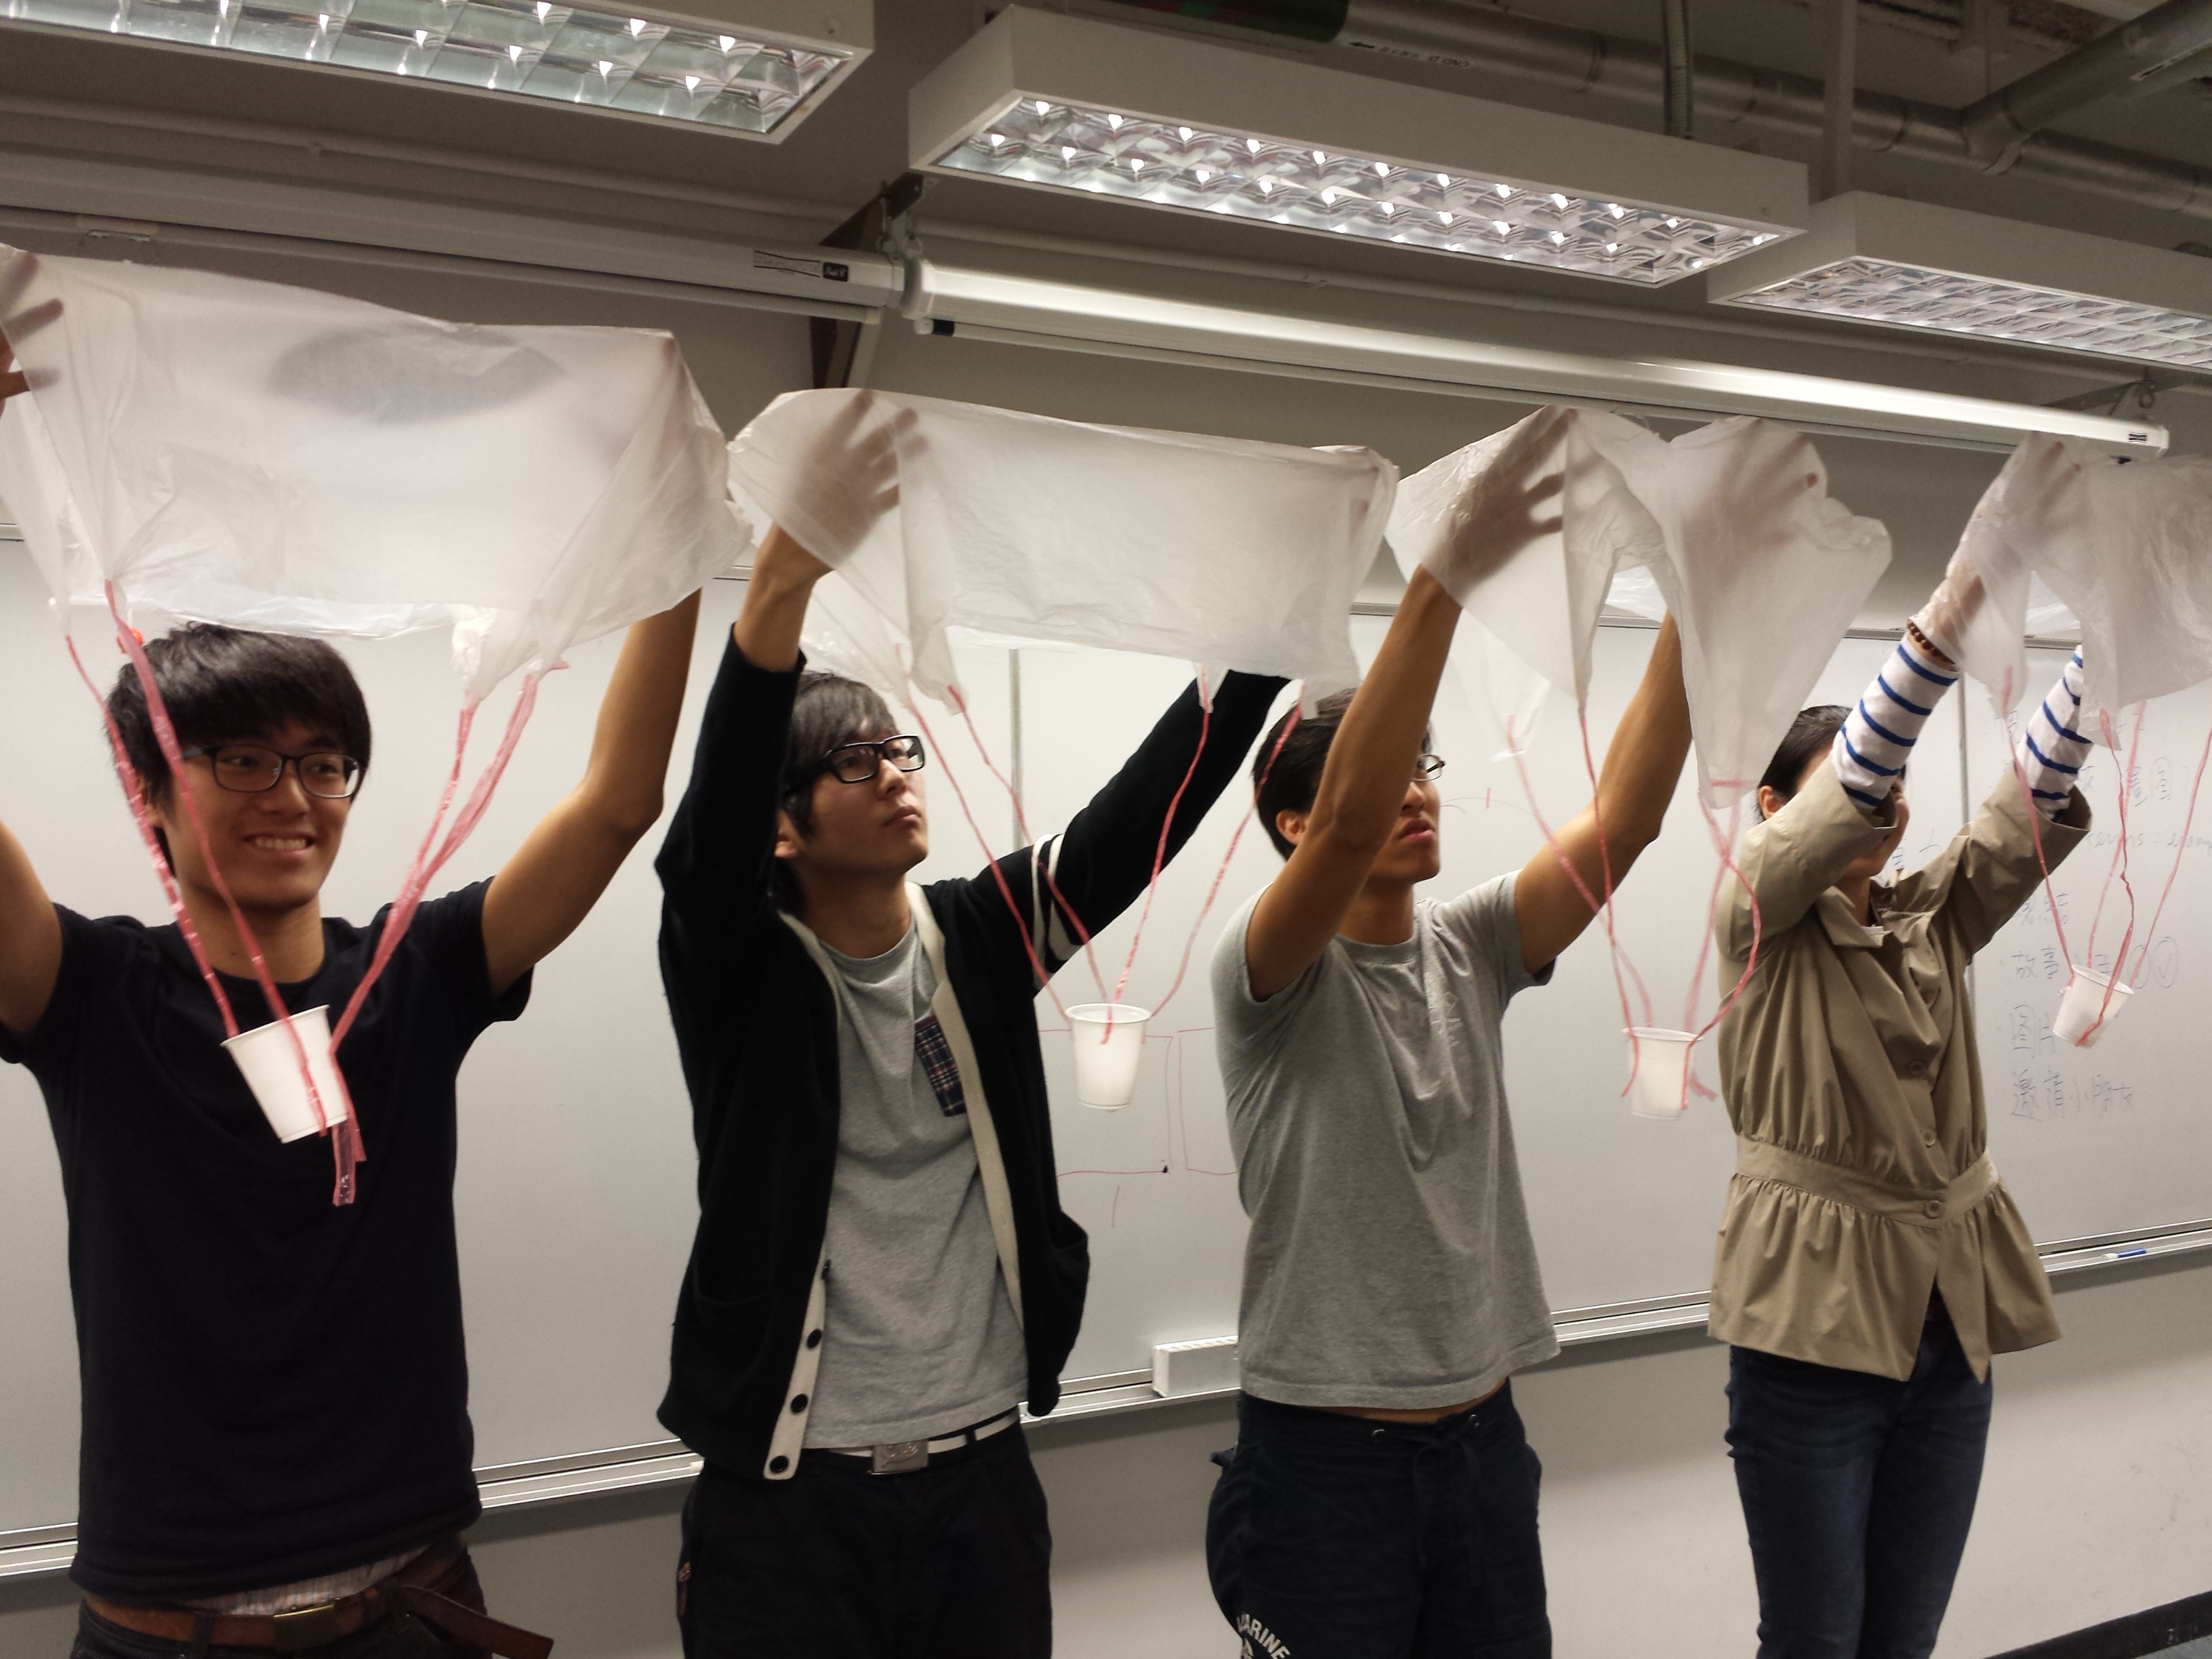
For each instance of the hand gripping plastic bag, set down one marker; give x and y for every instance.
(208, 448)
(1232, 554)
(2125, 545)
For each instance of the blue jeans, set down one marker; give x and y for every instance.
(1857, 1492)
(1333, 1537)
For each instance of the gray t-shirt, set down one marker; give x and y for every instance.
(1389, 1263)
(921, 1336)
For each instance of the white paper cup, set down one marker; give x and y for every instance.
(272, 1065)
(1109, 1040)
(1661, 1086)
(2077, 1021)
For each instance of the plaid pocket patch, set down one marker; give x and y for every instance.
(935, 1055)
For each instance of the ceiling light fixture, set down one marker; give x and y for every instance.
(1871, 258)
(755, 67)
(971, 304)
(1269, 140)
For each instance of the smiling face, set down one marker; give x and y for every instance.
(273, 849)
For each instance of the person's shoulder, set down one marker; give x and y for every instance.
(1483, 910)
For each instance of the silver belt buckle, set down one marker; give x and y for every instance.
(899, 1457)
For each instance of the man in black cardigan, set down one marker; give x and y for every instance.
(882, 1269)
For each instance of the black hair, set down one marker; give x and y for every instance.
(1812, 732)
(227, 685)
(1290, 781)
(827, 710)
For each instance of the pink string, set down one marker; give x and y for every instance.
(419, 874)
(1235, 835)
(1160, 848)
(2127, 786)
(134, 796)
(2188, 818)
(1600, 908)
(2120, 846)
(2035, 826)
(345, 1143)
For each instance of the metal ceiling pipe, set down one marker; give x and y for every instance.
(1681, 87)
(2158, 40)
(1483, 38)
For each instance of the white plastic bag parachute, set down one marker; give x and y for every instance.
(2126, 546)
(1762, 570)
(207, 448)
(1232, 554)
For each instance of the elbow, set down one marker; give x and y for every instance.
(627, 817)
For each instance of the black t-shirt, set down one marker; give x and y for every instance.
(274, 1386)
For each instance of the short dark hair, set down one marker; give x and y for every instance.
(230, 685)
(827, 710)
(1286, 780)
(1812, 732)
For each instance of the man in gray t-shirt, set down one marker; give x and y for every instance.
(1381, 1499)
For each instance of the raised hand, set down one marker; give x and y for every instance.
(1504, 507)
(18, 325)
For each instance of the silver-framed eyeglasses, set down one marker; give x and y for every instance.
(249, 769)
(1428, 767)
(859, 763)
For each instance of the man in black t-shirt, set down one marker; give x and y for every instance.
(276, 1448)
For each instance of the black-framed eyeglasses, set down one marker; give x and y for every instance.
(859, 763)
(251, 770)
(1427, 768)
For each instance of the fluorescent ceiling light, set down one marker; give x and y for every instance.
(753, 67)
(1029, 311)
(1907, 264)
(1062, 103)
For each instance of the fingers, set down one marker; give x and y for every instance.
(12, 384)
(15, 277)
(22, 325)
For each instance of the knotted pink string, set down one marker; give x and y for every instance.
(2120, 863)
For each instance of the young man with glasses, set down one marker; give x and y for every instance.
(1381, 1499)
(275, 1447)
(883, 1271)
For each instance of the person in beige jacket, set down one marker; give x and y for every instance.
(1869, 1260)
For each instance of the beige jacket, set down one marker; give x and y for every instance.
(1863, 1178)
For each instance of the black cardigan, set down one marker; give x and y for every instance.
(756, 1027)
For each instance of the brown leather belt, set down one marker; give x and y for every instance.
(413, 1589)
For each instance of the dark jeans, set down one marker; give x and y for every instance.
(949, 1562)
(1857, 1492)
(400, 1637)
(1333, 1537)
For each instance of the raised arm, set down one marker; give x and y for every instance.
(1641, 763)
(557, 874)
(1362, 783)
(30, 940)
(30, 932)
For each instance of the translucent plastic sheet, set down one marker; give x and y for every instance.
(208, 448)
(1232, 554)
(274, 457)
(1761, 569)
(2125, 546)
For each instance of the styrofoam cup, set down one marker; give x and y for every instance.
(1109, 1040)
(2078, 1010)
(1661, 1086)
(272, 1065)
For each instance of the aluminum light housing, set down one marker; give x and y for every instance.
(1870, 258)
(755, 68)
(1066, 104)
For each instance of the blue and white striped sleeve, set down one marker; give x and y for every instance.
(1877, 738)
(2052, 748)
